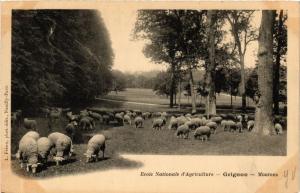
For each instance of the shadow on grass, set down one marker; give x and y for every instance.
(76, 167)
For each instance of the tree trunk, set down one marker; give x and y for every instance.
(237, 40)
(193, 95)
(243, 86)
(210, 106)
(277, 65)
(172, 85)
(264, 107)
(179, 96)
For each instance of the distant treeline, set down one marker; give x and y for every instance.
(59, 57)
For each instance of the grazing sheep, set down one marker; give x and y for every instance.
(190, 124)
(250, 125)
(164, 114)
(127, 119)
(86, 123)
(95, 116)
(156, 114)
(216, 119)
(164, 119)
(138, 121)
(239, 126)
(119, 118)
(30, 124)
(223, 125)
(203, 132)
(183, 131)
(146, 115)
(71, 129)
(62, 144)
(230, 126)
(181, 120)
(196, 122)
(44, 146)
(33, 134)
(278, 129)
(95, 144)
(84, 113)
(137, 112)
(173, 123)
(158, 123)
(239, 118)
(188, 115)
(213, 126)
(28, 153)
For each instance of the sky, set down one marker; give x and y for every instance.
(128, 53)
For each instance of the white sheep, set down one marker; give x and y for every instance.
(223, 124)
(203, 132)
(197, 122)
(213, 126)
(239, 126)
(44, 146)
(127, 119)
(231, 126)
(183, 131)
(28, 153)
(86, 123)
(250, 125)
(62, 144)
(164, 118)
(188, 115)
(278, 128)
(158, 123)
(95, 116)
(138, 121)
(30, 124)
(173, 123)
(35, 135)
(216, 119)
(84, 113)
(119, 118)
(95, 144)
(181, 120)
(164, 114)
(156, 114)
(190, 124)
(146, 115)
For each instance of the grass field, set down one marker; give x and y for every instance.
(129, 140)
(143, 95)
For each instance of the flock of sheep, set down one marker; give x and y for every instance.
(35, 150)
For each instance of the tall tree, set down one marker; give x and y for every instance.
(210, 105)
(280, 47)
(160, 28)
(175, 39)
(264, 100)
(243, 33)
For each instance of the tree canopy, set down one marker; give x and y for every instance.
(59, 57)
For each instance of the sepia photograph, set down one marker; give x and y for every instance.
(89, 86)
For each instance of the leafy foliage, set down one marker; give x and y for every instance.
(59, 57)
